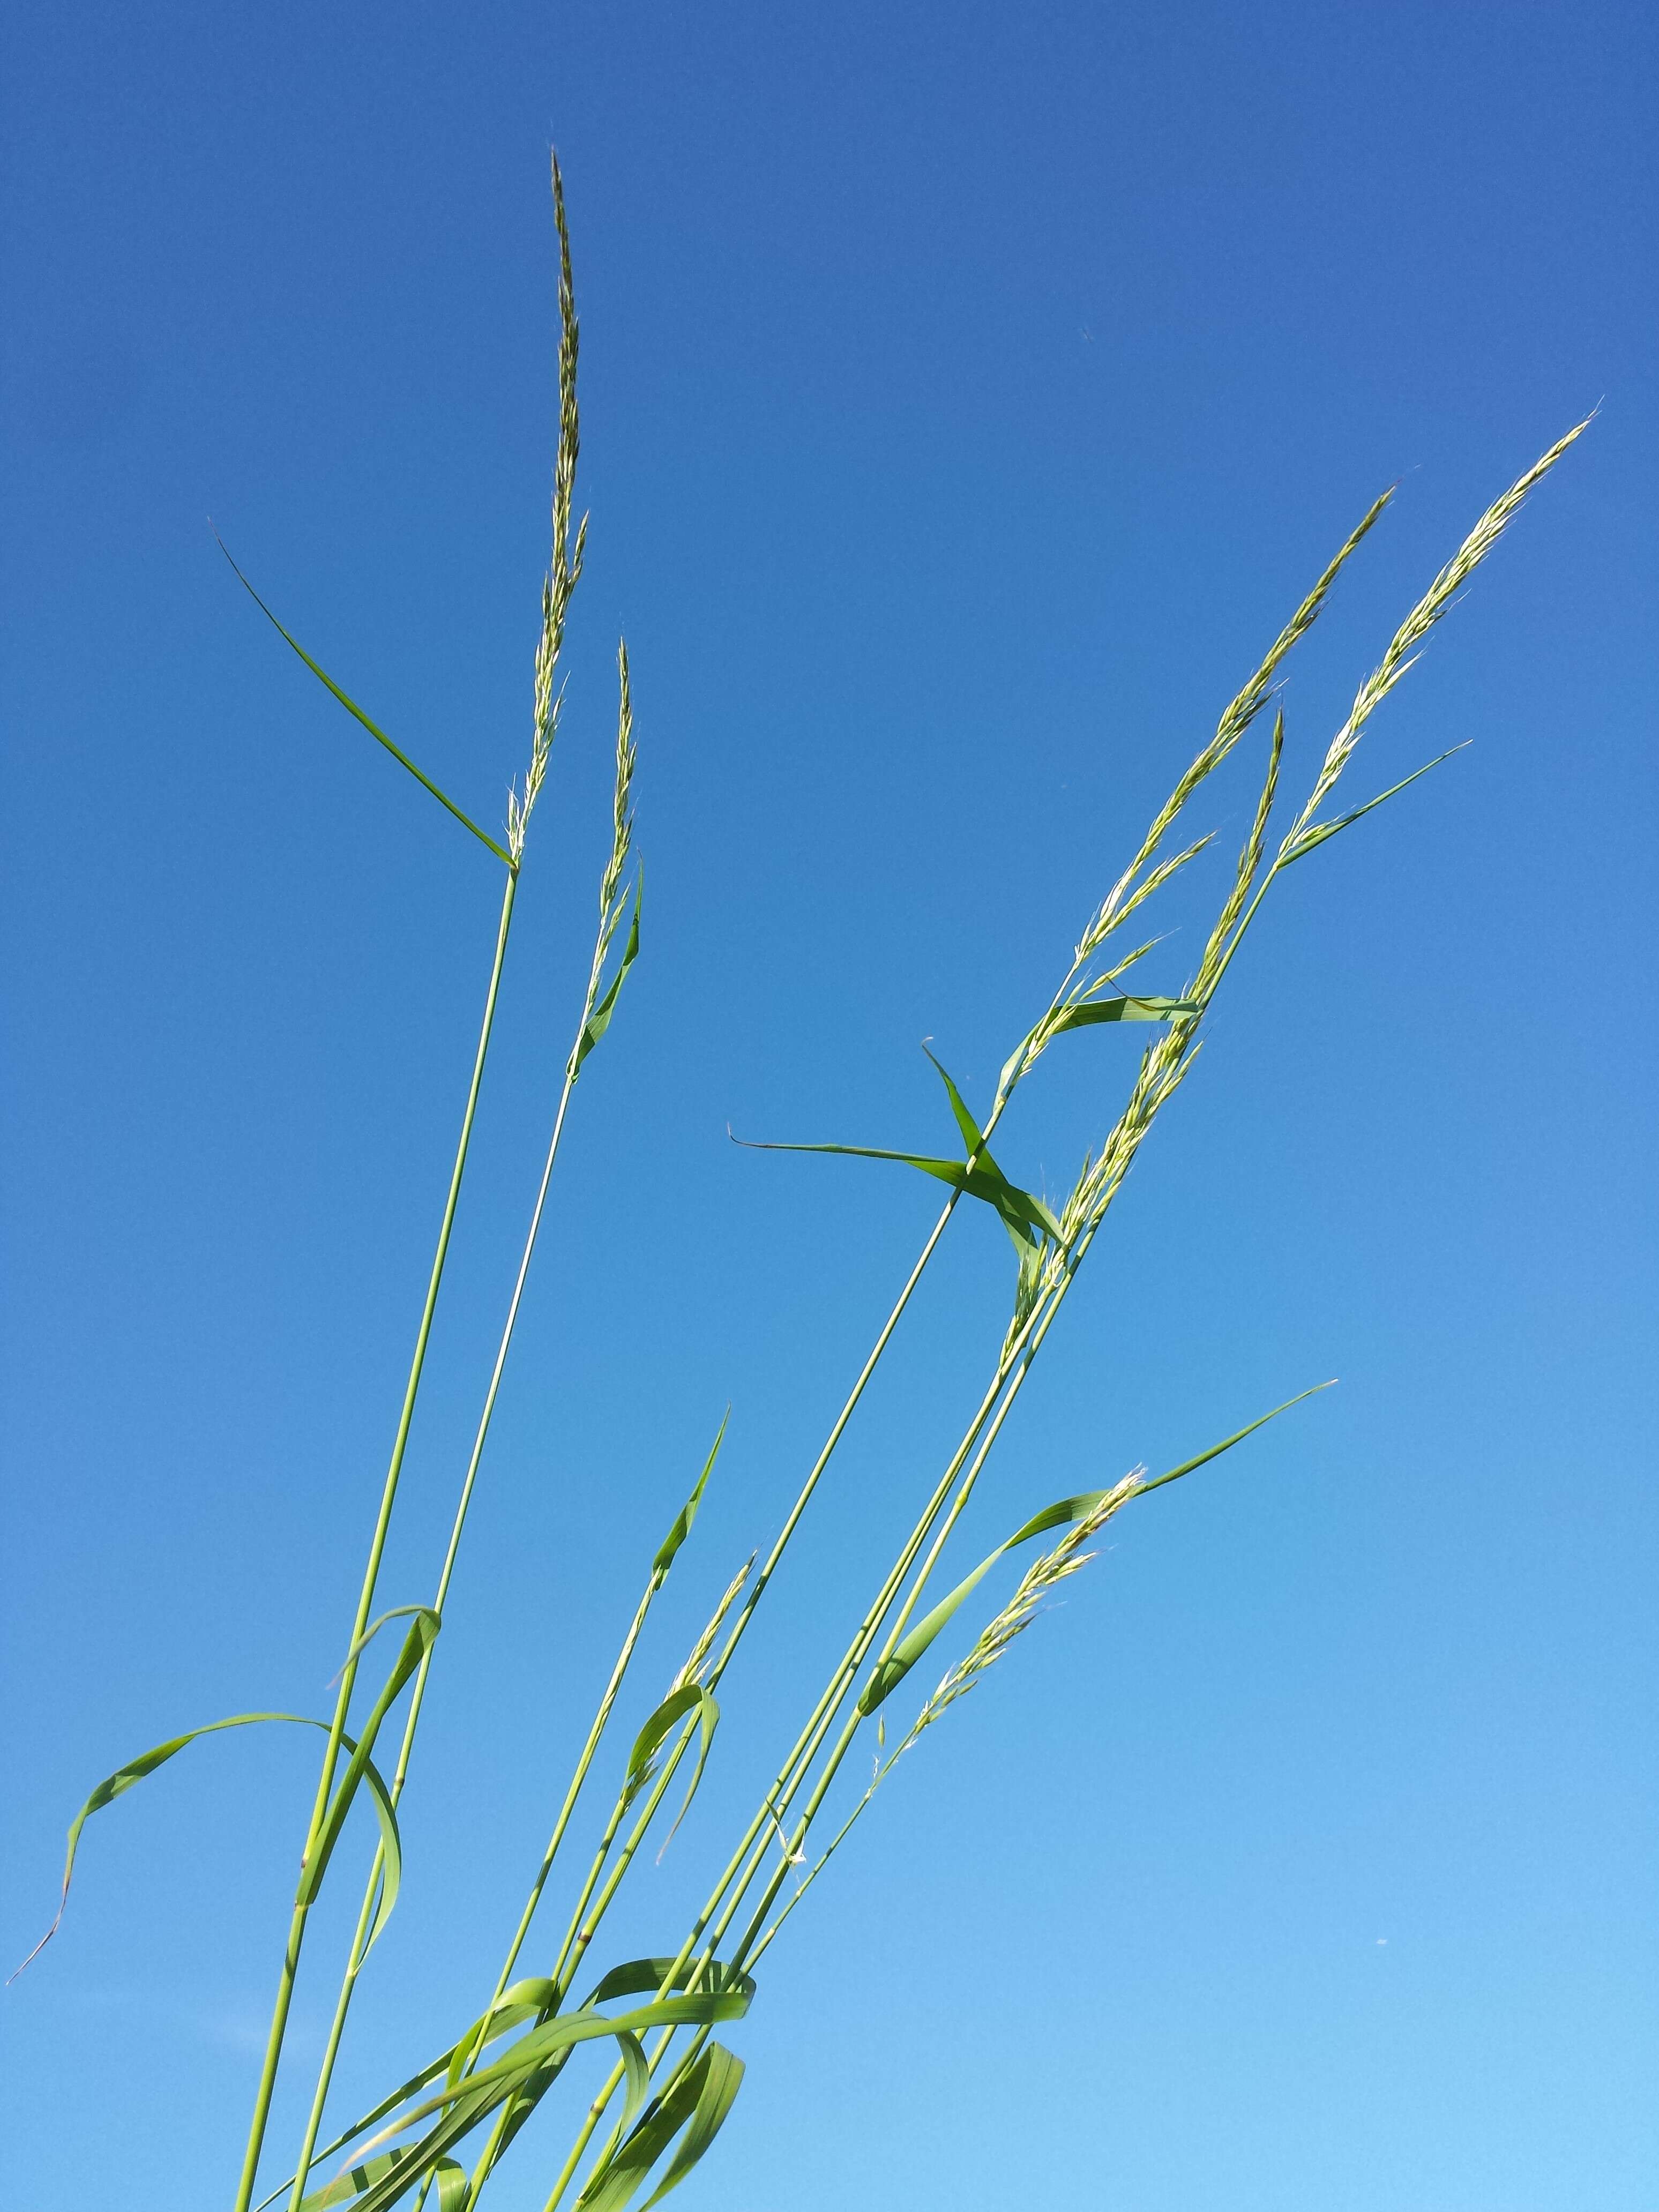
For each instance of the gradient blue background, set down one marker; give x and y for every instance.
(970, 393)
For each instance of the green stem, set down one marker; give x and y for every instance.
(371, 1572)
(1013, 1366)
(1150, 1090)
(822, 1714)
(365, 1918)
(575, 1947)
(581, 1932)
(758, 1840)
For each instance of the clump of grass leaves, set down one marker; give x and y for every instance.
(446, 2130)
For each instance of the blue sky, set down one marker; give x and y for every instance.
(968, 396)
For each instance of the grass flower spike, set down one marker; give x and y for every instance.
(553, 1984)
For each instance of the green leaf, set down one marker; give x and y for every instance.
(353, 709)
(639, 1974)
(1203, 1459)
(397, 1612)
(971, 1134)
(674, 1708)
(387, 2104)
(1087, 1012)
(893, 1669)
(1064, 1513)
(528, 1999)
(524, 2073)
(391, 1848)
(117, 1785)
(1026, 1219)
(691, 1697)
(617, 2179)
(688, 1512)
(355, 2181)
(639, 2077)
(716, 2095)
(352, 2185)
(698, 2102)
(423, 1629)
(1321, 831)
(599, 1020)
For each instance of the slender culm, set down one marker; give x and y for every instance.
(552, 1980)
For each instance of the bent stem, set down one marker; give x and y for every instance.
(371, 1572)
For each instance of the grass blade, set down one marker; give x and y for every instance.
(136, 1770)
(717, 2092)
(691, 1697)
(1064, 1512)
(677, 1535)
(599, 1020)
(354, 710)
(314, 1864)
(1087, 1012)
(1317, 832)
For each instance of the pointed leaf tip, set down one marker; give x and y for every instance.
(688, 1512)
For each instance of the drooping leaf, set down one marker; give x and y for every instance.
(391, 1849)
(423, 1630)
(599, 1020)
(523, 2073)
(520, 2001)
(698, 2103)
(396, 1613)
(640, 1974)
(354, 710)
(673, 1708)
(529, 1999)
(691, 1697)
(616, 2180)
(637, 2075)
(1064, 1513)
(117, 1785)
(716, 2095)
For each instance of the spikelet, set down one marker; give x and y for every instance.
(1435, 602)
(566, 566)
(621, 816)
(1043, 1576)
(1240, 713)
(698, 1658)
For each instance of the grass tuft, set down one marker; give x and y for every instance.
(450, 2127)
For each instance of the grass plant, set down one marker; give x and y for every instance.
(444, 2133)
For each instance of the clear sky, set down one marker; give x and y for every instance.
(970, 392)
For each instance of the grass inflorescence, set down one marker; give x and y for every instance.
(441, 2135)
